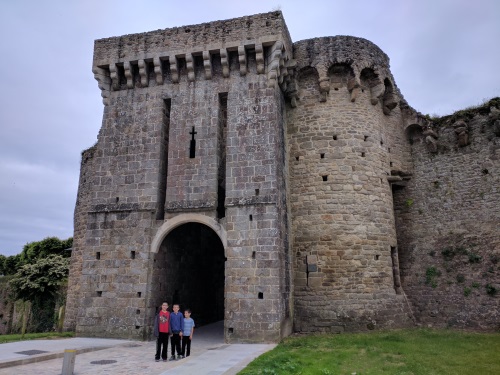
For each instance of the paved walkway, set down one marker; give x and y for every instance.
(209, 356)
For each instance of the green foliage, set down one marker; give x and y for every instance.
(33, 336)
(9, 265)
(36, 276)
(460, 278)
(416, 352)
(409, 202)
(41, 249)
(475, 284)
(450, 252)
(467, 291)
(494, 259)
(474, 258)
(468, 113)
(430, 276)
(3, 258)
(33, 251)
(41, 279)
(491, 290)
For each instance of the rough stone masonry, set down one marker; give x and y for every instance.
(280, 187)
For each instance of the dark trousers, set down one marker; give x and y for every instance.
(175, 341)
(162, 339)
(186, 346)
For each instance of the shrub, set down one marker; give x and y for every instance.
(448, 253)
(474, 258)
(491, 290)
(430, 276)
(460, 278)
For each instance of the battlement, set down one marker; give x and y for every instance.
(279, 187)
(199, 51)
(348, 61)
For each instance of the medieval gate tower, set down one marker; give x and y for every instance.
(244, 176)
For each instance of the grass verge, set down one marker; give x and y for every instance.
(404, 352)
(34, 336)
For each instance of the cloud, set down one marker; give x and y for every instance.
(444, 57)
(40, 203)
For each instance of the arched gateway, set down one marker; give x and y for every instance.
(189, 266)
(271, 184)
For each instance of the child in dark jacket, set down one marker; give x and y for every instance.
(161, 332)
(176, 328)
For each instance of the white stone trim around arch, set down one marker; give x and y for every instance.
(181, 219)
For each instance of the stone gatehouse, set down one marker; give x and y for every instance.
(277, 186)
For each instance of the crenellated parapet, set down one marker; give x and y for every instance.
(200, 52)
(350, 62)
(166, 68)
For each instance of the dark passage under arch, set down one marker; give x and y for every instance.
(189, 270)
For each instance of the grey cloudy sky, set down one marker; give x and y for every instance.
(445, 56)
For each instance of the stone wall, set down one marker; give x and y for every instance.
(342, 150)
(202, 134)
(448, 218)
(179, 40)
(310, 195)
(80, 227)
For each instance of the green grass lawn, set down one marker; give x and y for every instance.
(34, 336)
(408, 352)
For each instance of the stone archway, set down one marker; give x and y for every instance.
(189, 269)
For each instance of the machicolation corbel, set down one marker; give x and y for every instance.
(390, 100)
(431, 140)
(259, 58)
(291, 88)
(324, 88)
(103, 82)
(190, 67)
(207, 64)
(143, 73)
(376, 93)
(274, 64)
(242, 58)
(158, 70)
(495, 119)
(128, 74)
(224, 62)
(174, 71)
(462, 131)
(323, 81)
(115, 79)
(353, 85)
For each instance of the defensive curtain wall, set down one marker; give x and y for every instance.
(281, 187)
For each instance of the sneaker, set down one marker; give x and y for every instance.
(172, 358)
(165, 360)
(180, 356)
(157, 360)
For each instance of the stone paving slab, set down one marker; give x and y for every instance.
(134, 360)
(209, 355)
(12, 353)
(227, 360)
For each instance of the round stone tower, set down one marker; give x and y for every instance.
(346, 143)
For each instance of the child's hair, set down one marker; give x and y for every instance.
(188, 310)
